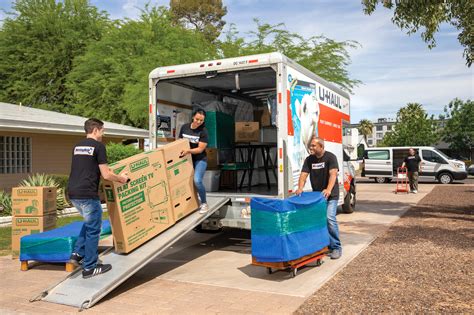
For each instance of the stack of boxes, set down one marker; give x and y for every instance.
(159, 193)
(34, 211)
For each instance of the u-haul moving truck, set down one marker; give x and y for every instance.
(306, 105)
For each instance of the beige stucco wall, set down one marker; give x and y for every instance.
(51, 154)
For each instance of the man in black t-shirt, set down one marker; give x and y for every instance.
(322, 168)
(413, 165)
(89, 161)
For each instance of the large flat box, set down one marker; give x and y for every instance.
(247, 132)
(33, 201)
(22, 226)
(263, 116)
(220, 128)
(178, 168)
(140, 209)
(212, 159)
(184, 198)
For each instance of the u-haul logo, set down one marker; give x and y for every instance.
(84, 150)
(317, 166)
(138, 165)
(26, 192)
(27, 221)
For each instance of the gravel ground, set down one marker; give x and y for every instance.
(423, 263)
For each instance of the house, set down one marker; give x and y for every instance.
(40, 141)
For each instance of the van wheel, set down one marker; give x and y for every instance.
(381, 180)
(445, 178)
(349, 201)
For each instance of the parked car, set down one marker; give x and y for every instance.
(470, 169)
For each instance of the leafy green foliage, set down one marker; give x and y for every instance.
(5, 204)
(110, 81)
(48, 181)
(413, 127)
(38, 44)
(458, 130)
(428, 15)
(118, 151)
(325, 57)
(365, 128)
(205, 16)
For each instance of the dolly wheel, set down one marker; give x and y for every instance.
(294, 272)
(269, 270)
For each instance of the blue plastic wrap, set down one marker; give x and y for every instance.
(55, 245)
(288, 229)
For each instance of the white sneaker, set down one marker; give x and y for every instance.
(204, 208)
(415, 191)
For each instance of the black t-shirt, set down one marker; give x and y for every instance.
(318, 169)
(195, 136)
(85, 173)
(412, 162)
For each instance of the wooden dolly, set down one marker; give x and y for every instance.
(293, 265)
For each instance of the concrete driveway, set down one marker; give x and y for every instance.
(211, 273)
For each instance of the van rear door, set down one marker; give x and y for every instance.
(378, 163)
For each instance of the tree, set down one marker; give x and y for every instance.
(38, 44)
(458, 129)
(326, 57)
(365, 128)
(428, 15)
(413, 127)
(203, 15)
(110, 81)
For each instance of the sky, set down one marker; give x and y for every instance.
(395, 68)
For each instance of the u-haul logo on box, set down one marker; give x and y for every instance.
(27, 221)
(138, 165)
(27, 192)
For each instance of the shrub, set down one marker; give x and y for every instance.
(118, 151)
(5, 204)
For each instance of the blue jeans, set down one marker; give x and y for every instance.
(333, 229)
(200, 167)
(87, 243)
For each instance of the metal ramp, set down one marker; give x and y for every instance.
(84, 293)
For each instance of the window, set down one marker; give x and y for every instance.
(389, 127)
(370, 142)
(15, 155)
(379, 128)
(434, 157)
(379, 135)
(378, 155)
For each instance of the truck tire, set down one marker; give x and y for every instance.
(445, 178)
(349, 201)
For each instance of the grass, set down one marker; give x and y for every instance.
(6, 232)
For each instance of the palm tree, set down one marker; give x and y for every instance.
(365, 128)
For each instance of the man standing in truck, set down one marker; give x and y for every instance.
(322, 168)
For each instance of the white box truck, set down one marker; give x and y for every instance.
(304, 105)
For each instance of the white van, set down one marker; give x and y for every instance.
(381, 164)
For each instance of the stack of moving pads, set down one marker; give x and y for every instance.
(55, 245)
(288, 229)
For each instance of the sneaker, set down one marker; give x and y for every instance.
(336, 254)
(204, 208)
(76, 259)
(99, 269)
(415, 191)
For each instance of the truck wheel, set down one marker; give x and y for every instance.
(445, 178)
(349, 201)
(381, 180)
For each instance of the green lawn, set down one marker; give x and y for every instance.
(6, 232)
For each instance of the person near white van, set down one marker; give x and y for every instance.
(322, 168)
(413, 164)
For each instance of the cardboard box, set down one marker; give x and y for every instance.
(33, 201)
(22, 226)
(212, 159)
(177, 167)
(263, 116)
(184, 199)
(247, 132)
(140, 209)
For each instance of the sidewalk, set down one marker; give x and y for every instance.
(212, 274)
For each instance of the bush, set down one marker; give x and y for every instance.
(5, 204)
(118, 151)
(49, 181)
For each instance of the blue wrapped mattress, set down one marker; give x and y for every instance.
(288, 229)
(55, 245)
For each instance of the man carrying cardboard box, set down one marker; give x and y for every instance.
(89, 161)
